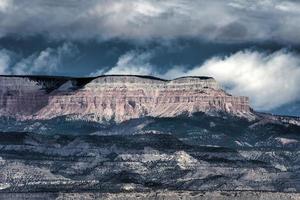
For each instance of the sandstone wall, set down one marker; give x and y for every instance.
(116, 98)
(21, 96)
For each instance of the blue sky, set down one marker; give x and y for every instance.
(251, 47)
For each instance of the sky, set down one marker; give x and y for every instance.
(251, 47)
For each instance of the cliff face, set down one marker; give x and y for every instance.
(117, 98)
(200, 152)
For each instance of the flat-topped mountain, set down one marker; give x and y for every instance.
(129, 134)
(114, 97)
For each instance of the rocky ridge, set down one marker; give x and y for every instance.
(184, 138)
(116, 97)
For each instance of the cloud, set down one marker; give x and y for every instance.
(45, 62)
(131, 63)
(4, 61)
(4, 5)
(270, 80)
(138, 63)
(214, 20)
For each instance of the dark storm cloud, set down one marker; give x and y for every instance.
(214, 20)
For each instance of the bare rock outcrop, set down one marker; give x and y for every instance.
(116, 97)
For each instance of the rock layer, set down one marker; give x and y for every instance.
(117, 98)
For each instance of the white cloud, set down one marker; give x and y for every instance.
(4, 61)
(44, 62)
(4, 4)
(98, 72)
(133, 63)
(270, 80)
(138, 63)
(230, 20)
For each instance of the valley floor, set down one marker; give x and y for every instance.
(172, 195)
(176, 158)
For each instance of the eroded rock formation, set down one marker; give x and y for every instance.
(117, 98)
